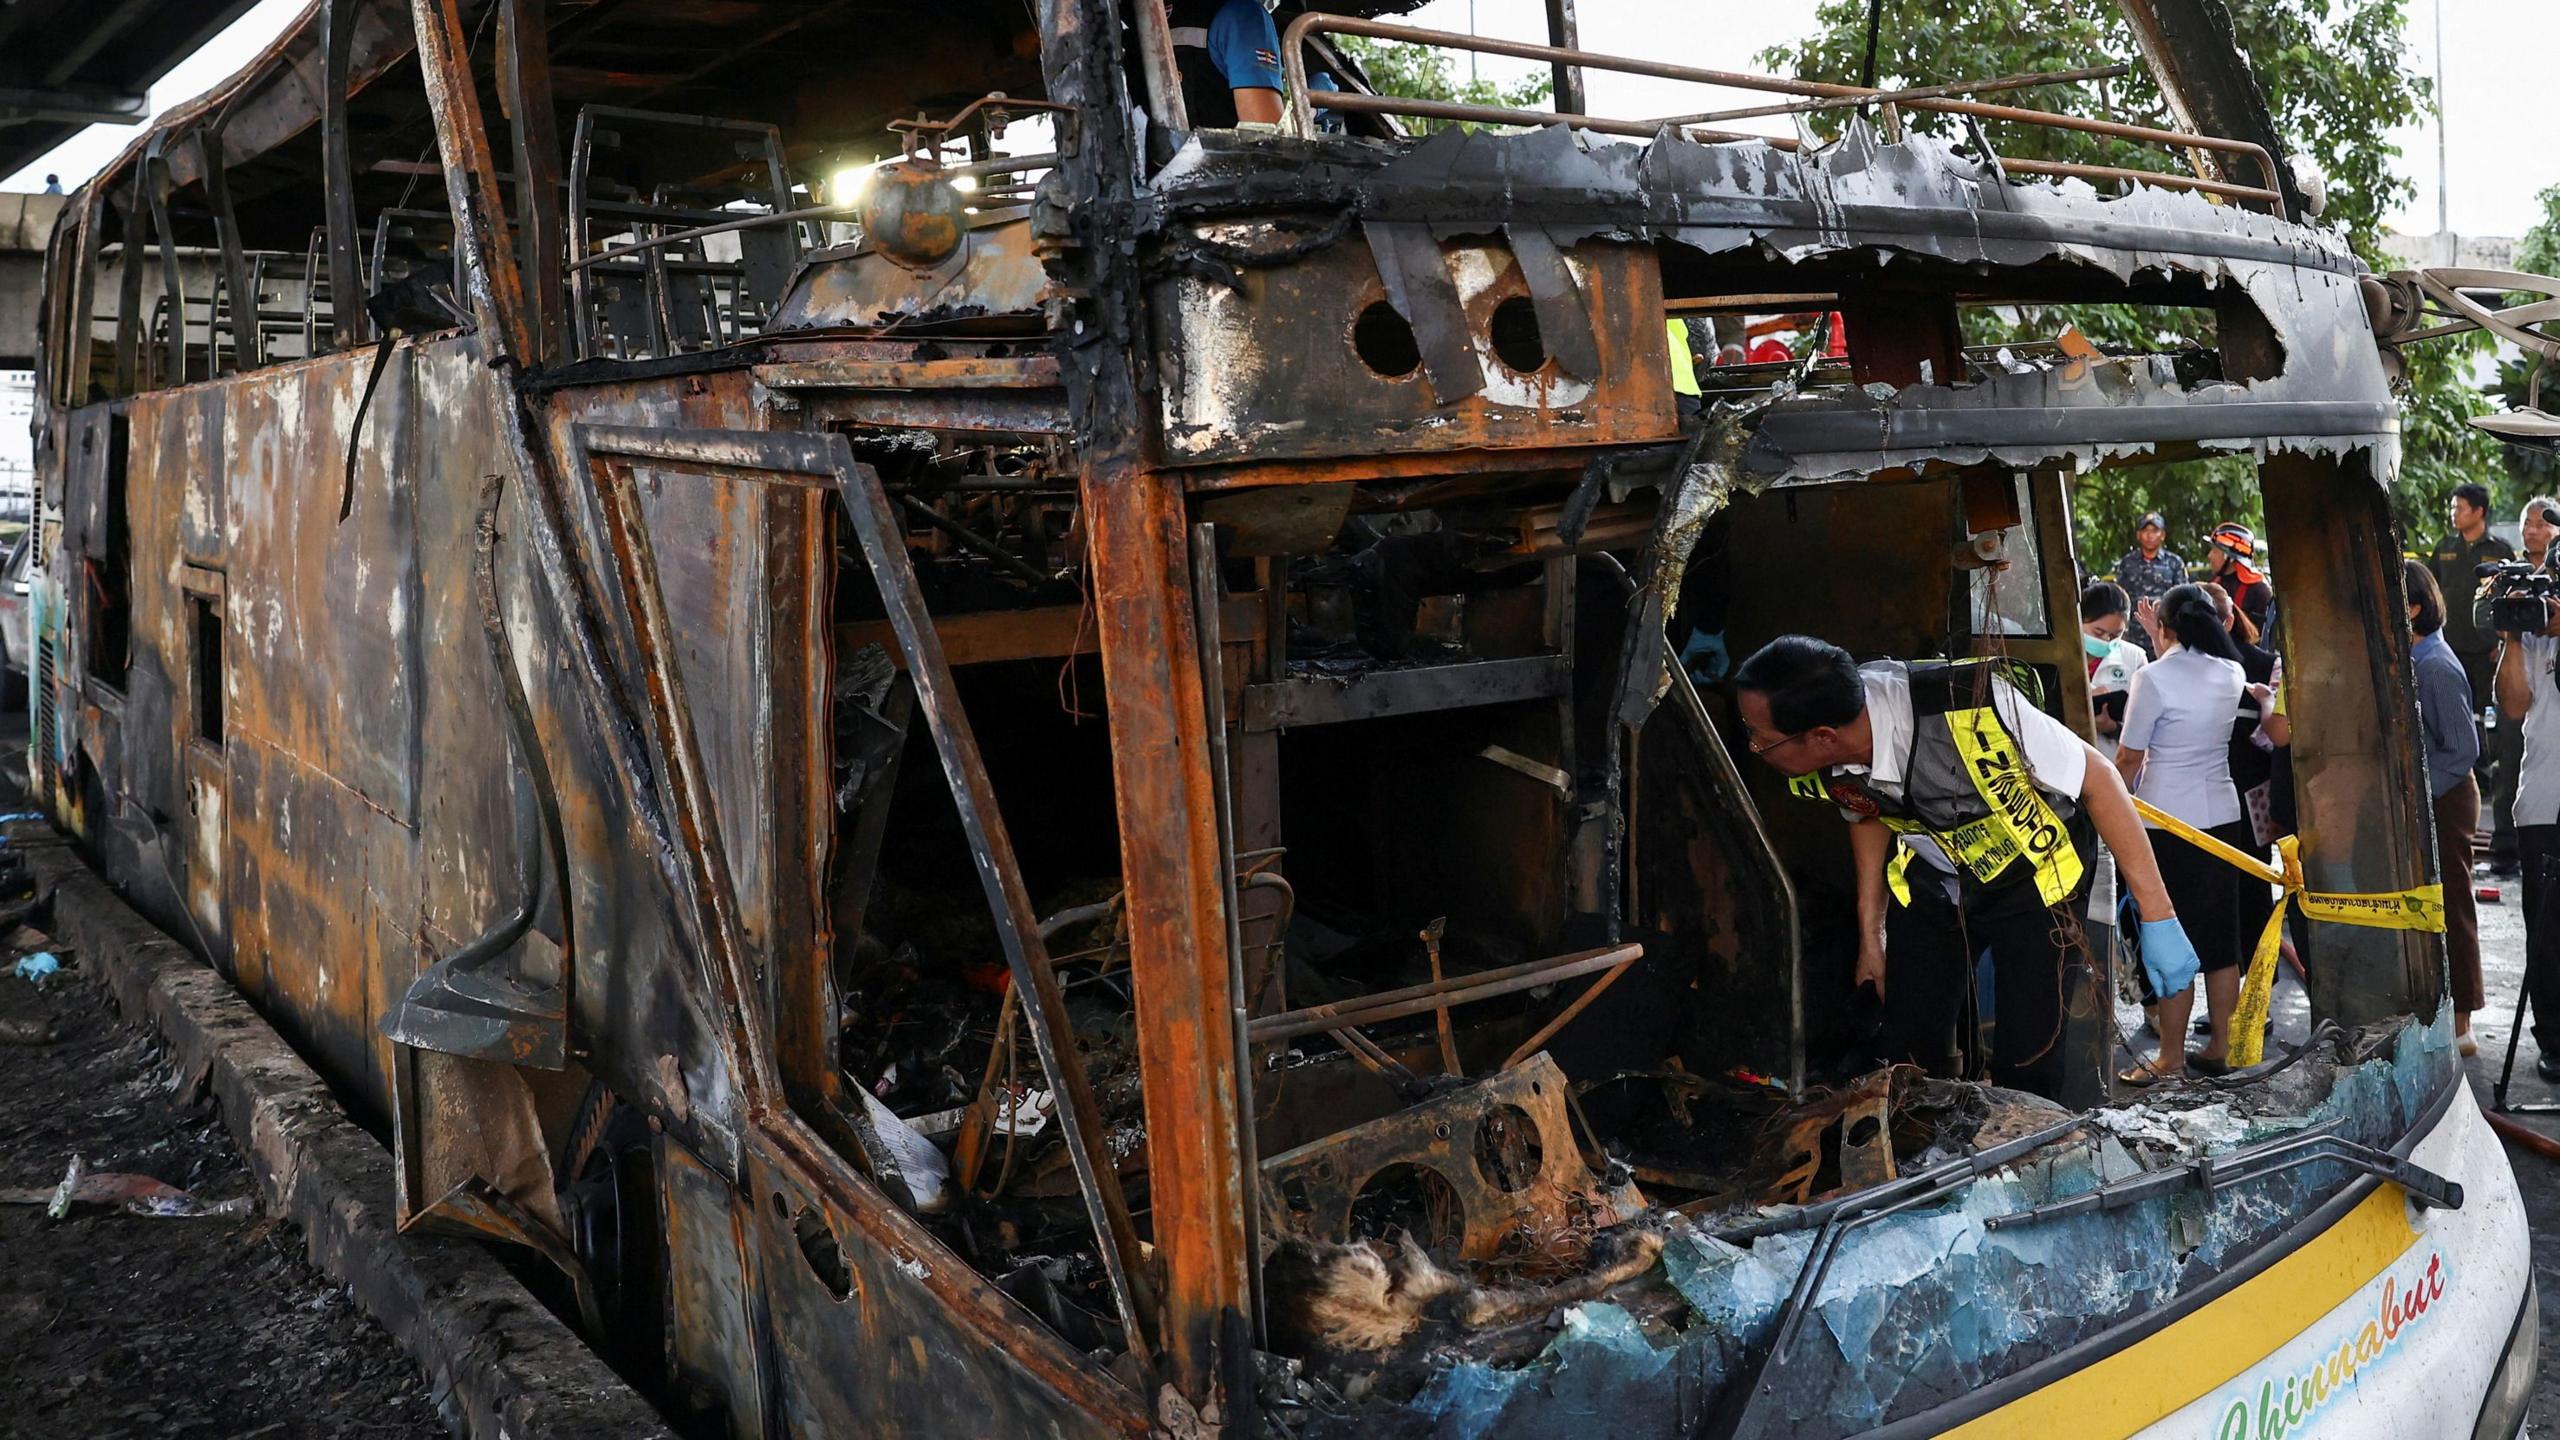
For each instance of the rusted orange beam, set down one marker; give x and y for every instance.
(471, 178)
(966, 372)
(1169, 858)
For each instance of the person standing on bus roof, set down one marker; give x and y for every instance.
(1948, 765)
(1229, 55)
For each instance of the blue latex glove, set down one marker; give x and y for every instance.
(2168, 956)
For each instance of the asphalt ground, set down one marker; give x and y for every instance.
(190, 1326)
(2502, 964)
(114, 1323)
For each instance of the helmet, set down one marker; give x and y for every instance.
(2238, 539)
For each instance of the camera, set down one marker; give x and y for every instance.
(2515, 597)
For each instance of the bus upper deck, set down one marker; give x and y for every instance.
(950, 737)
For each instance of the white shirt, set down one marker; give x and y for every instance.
(2179, 715)
(2056, 760)
(2538, 783)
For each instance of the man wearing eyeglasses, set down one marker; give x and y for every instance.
(1972, 809)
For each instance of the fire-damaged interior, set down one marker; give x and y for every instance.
(1128, 782)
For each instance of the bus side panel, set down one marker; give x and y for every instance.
(322, 723)
(469, 871)
(328, 670)
(309, 867)
(711, 1344)
(862, 1342)
(185, 589)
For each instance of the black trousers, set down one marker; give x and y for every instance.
(1929, 947)
(2222, 908)
(2538, 847)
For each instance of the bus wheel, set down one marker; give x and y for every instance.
(610, 1201)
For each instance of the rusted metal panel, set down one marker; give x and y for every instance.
(714, 1338)
(864, 1344)
(311, 879)
(1317, 357)
(2359, 769)
(993, 280)
(1177, 924)
(1025, 372)
(1504, 1148)
(325, 615)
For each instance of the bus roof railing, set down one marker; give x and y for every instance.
(1939, 98)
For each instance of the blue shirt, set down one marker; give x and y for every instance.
(2148, 580)
(1328, 122)
(1245, 46)
(2444, 713)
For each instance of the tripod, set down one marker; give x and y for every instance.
(2536, 921)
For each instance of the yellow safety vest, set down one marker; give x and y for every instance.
(1684, 365)
(1992, 818)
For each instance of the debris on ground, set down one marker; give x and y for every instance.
(113, 1325)
(134, 1194)
(36, 967)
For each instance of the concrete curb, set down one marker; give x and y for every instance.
(498, 1363)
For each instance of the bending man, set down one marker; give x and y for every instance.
(1972, 810)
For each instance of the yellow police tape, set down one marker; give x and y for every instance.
(2421, 908)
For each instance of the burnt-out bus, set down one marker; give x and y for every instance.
(993, 762)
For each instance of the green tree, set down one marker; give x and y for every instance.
(2337, 79)
(2532, 472)
(1420, 72)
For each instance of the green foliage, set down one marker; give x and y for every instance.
(1419, 72)
(2336, 77)
(2538, 249)
(2532, 472)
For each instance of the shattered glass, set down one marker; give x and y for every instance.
(1923, 1307)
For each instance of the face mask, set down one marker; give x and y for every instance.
(2098, 649)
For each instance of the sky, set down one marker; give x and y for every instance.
(2493, 85)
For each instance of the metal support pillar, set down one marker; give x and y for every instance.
(471, 181)
(245, 340)
(1564, 31)
(525, 91)
(1169, 859)
(338, 175)
(2193, 52)
(2359, 766)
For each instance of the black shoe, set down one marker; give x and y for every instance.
(2548, 1067)
(2505, 867)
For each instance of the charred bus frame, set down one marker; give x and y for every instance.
(706, 502)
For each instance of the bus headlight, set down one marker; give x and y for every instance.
(2511, 1389)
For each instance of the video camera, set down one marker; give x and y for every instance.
(2515, 597)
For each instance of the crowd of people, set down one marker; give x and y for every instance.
(2187, 690)
(2188, 694)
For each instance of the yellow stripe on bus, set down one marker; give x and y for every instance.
(2172, 1368)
